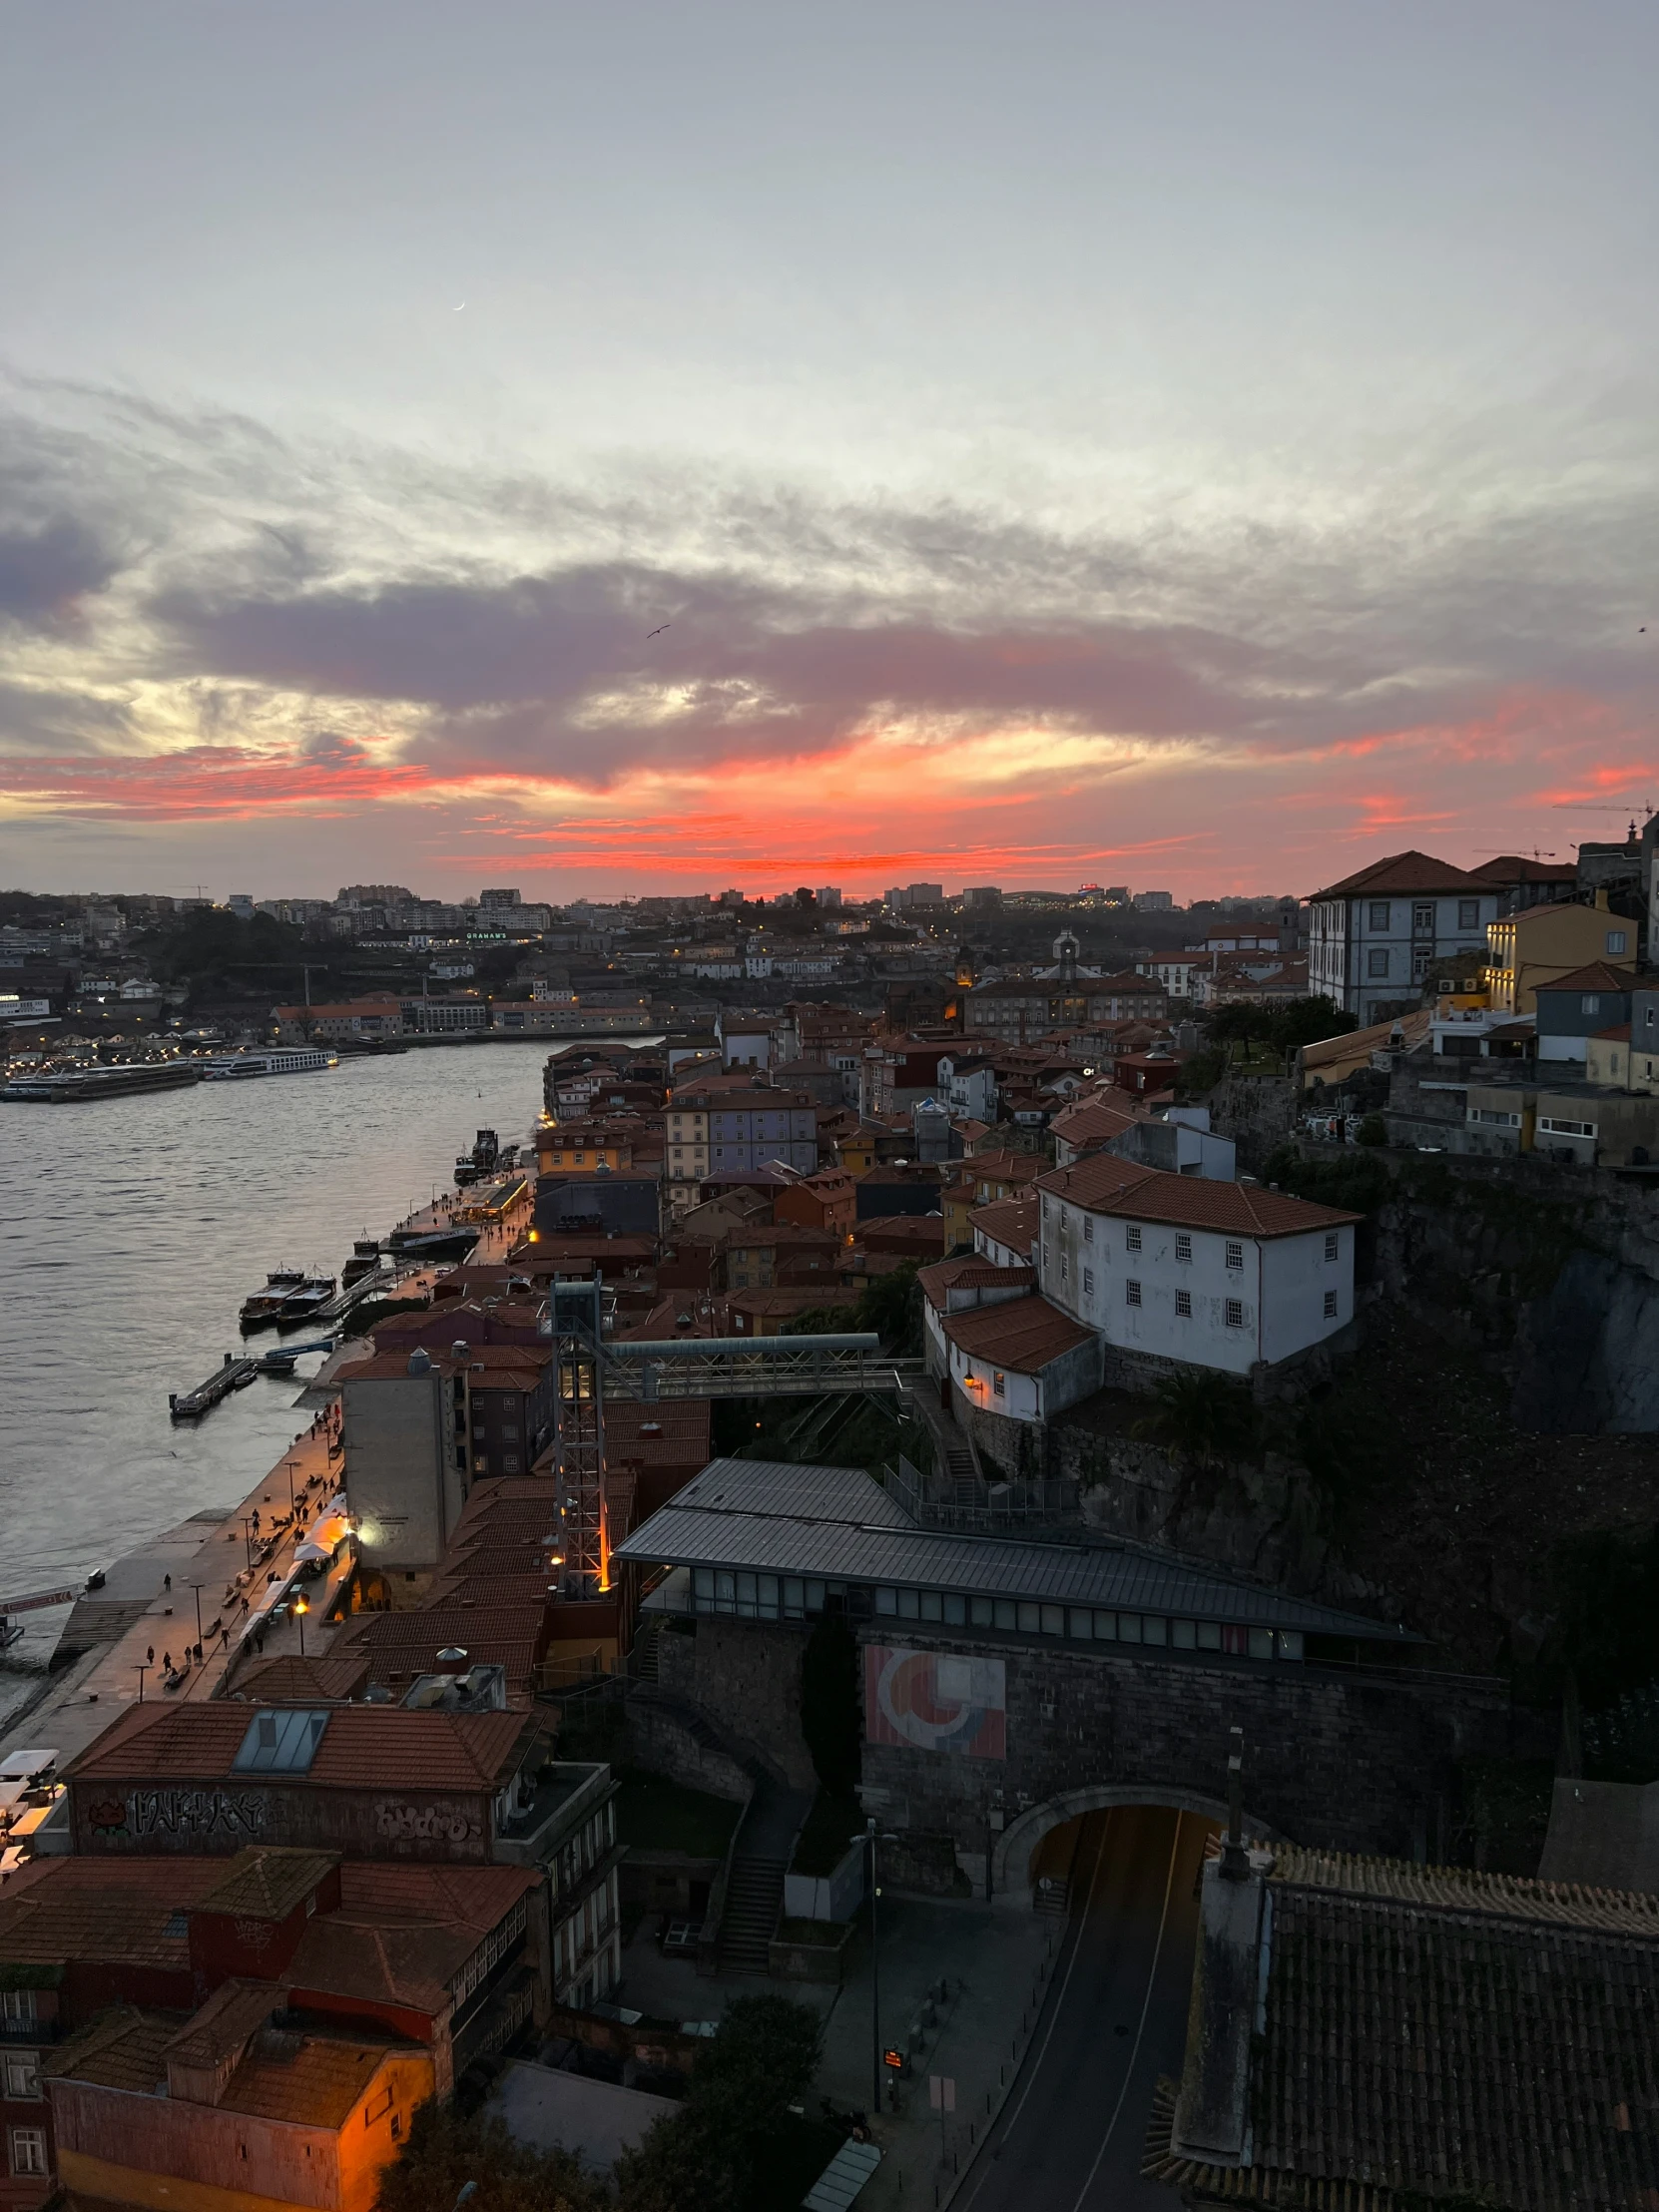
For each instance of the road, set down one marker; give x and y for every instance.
(1069, 2135)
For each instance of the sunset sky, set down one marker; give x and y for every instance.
(1204, 447)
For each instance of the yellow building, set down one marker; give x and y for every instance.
(1608, 1059)
(584, 1145)
(1526, 950)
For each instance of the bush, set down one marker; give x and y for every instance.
(1374, 1130)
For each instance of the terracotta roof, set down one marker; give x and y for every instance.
(511, 1634)
(967, 1274)
(1512, 867)
(121, 2049)
(1025, 1333)
(1008, 1221)
(267, 1884)
(103, 1909)
(290, 1680)
(402, 1932)
(1105, 1185)
(363, 1747)
(1091, 1121)
(221, 2027)
(1617, 1036)
(1431, 2035)
(1402, 874)
(312, 2080)
(1003, 1166)
(1599, 976)
(1354, 1046)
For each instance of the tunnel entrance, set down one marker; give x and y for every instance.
(1040, 1846)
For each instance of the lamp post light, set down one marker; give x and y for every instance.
(301, 1609)
(142, 1672)
(873, 1839)
(197, 1588)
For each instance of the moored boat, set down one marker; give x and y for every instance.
(366, 1258)
(261, 1309)
(301, 1305)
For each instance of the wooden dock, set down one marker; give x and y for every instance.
(232, 1374)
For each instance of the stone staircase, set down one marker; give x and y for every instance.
(754, 1884)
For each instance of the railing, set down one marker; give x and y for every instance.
(994, 1509)
(766, 1367)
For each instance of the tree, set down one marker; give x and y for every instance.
(759, 2062)
(1373, 1129)
(447, 2149)
(1309, 1021)
(831, 1717)
(889, 1308)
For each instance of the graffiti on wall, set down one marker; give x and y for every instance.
(935, 1701)
(426, 1823)
(196, 1813)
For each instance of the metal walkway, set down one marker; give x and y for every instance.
(766, 1366)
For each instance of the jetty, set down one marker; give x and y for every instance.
(232, 1374)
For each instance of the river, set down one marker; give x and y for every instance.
(138, 1226)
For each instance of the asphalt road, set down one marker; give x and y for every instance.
(1069, 2136)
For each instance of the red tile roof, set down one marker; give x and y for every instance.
(1599, 976)
(1008, 1221)
(104, 1911)
(1091, 1122)
(1403, 872)
(1025, 1333)
(1103, 1184)
(1511, 868)
(402, 1934)
(967, 1274)
(363, 1747)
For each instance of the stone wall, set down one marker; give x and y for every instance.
(1358, 1762)
(1352, 1761)
(746, 1677)
(1257, 1111)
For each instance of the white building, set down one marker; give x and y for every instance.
(1176, 973)
(967, 1083)
(1223, 1275)
(1374, 937)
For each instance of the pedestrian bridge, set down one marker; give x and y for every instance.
(762, 1367)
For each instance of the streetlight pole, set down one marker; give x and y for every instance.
(142, 1672)
(197, 1588)
(874, 1976)
(301, 1609)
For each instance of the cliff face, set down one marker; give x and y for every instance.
(1502, 1404)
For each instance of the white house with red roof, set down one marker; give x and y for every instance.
(1223, 1275)
(1375, 936)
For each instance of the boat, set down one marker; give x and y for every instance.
(300, 1306)
(238, 1067)
(261, 1309)
(68, 1085)
(364, 1259)
(432, 1244)
(465, 1172)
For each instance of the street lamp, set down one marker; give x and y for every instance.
(872, 1838)
(197, 1588)
(142, 1672)
(301, 1609)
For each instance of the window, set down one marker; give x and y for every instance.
(1617, 939)
(1422, 959)
(1088, 1229)
(23, 2075)
(1132, 1294)
(1567, 1128)
(1468, 914)
(1423, 919)
(1590, 1004)
(18, 2008)
(1065, 1267)
(1331, 1246)
(1184, 1304)
(1330, 1305)
(1235, 1313)
(1183, 1248)
(28, 2150)
(1132, 1239)
(1234, 1255)
(1088, 1282)
(1380, 915)
(1000, 1383)
(1495, 1115)
(1376, 963)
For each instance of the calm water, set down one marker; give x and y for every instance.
(135, 1229)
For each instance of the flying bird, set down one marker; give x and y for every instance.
(656, 633)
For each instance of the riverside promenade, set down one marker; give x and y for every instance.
(216, 1580)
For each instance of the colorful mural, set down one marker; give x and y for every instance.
(935, 1701)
